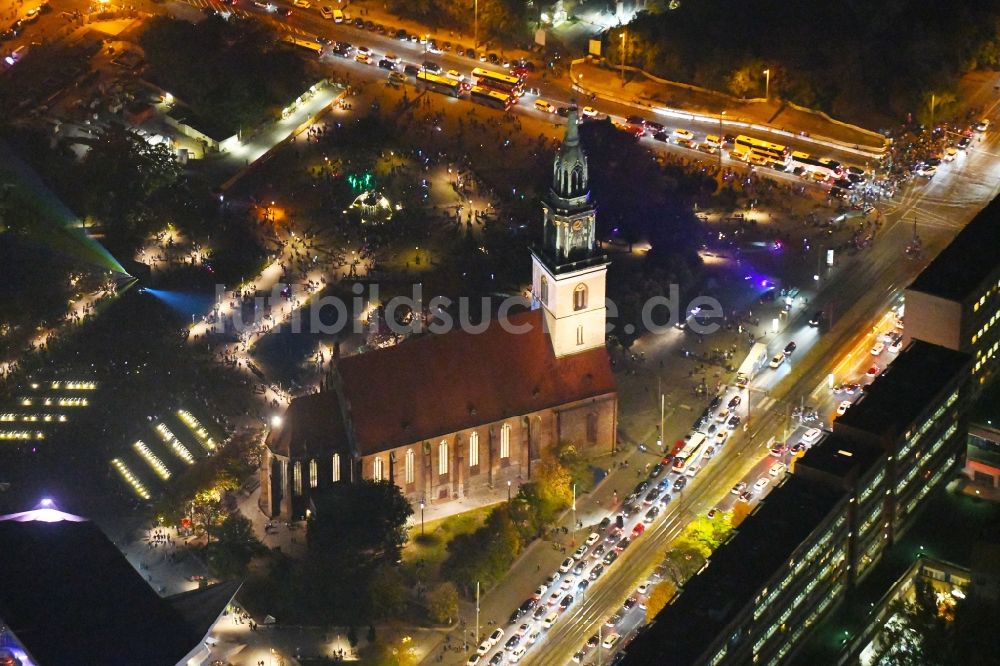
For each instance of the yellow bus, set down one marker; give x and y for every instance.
(772, 152)
(440, 84)
(494, 98)
(309, 44)
(512, 85)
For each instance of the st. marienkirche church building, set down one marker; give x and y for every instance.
(452, 415)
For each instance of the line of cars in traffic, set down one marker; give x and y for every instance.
(602, 548)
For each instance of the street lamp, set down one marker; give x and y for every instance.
(767, 84)
(624, 30)
(721, 134)
(508, 492)
(475, 38)
(421, 517)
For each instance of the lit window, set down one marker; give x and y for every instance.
(580, 297)
(313, 474)
(336, 467)
(505, 441)
(544, 290)
(473, 449)
(297, 478)
(377, 469)
(443, 457)
(579, 335)
(408, 466)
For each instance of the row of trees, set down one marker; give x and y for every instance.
(850, 58)
(503, 20)
(485, 555)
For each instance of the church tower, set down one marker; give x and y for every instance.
(568, 272)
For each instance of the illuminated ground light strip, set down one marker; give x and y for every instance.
(21, 435)
(179, 449)
(131, 479)
(199, 431)
(33, 418)
(76, 386)
(72, 402)
(152, 460)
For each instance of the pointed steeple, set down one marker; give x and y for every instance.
(569, 172)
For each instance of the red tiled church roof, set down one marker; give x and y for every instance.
(442, 383)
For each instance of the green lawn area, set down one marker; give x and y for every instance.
(432, 547)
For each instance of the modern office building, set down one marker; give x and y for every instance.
(761, 589)
(817, 534)
(982, 455)
(955, 301)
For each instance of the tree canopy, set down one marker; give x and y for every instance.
(235, 72)
(848, 57)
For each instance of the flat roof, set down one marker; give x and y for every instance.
(766, 540)
(968, 261)
(837, 455)
(903, 391)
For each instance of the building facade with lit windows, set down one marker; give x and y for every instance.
(822, 530)
(955, 301)
(461, 414)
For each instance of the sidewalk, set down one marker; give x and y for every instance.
(640, 90)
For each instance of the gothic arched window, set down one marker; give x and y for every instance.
(377, 469)
(336, 468)
(577, 177)
(443, 457)
(505, 441)
(408, 466)
(544, 290)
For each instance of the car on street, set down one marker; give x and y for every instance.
(363, 58)
(816, 320)
(518, 654)
(745, 496)
(592, 539)
(474, 659)
(596, 572)
(777, 468)
(681, 134)
(878, 348)
(614, 620)
(777, 360)
(680, 483)
(566, 602)
(550, 619)
(512, 642)
(582, 585)
(577, 570)
(777, 450)
(739, 488)
(651, 514)
(580, 552)
(385, 63)
(397, 77)
(982, 125)
(963, 143)
(790, 348)
(735, 402)
(544, 106)
(812, 435)
(761, 484)
(431, 66)
(598, 552)
(554, 598)
(623, 544)
(798, 449)
(652, 496)
(610, 641)
(733, 423)
(588, 112)
(843, 407)
(610, 558)
(326, 11)
(873, 371)
(540, 612)
(720, 437)
(566, 565)
(533, 635)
